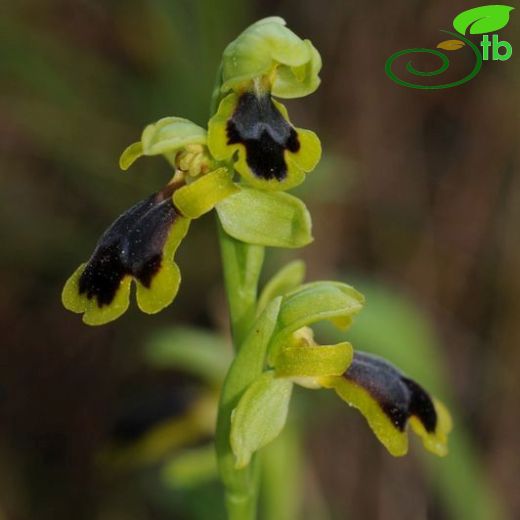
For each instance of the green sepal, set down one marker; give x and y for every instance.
(269, 49)
(201, 195)
(167, 136)
(250, 359)
(318, 301)
(314, 360)
(259, 417)
(285, 280)
(246, 367)
(170, 134)
(274, 219)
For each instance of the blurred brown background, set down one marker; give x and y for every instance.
(418, 197)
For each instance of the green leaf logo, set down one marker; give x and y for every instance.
(484, 19)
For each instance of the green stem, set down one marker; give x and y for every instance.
(241, 507)
(242, 264)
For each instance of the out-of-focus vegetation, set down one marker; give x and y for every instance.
(418, 196)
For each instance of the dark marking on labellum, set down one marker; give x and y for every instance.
(132, 245)
(421, 405)
(398, 396)
(265, 134)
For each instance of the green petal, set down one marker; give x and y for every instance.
(274, 219)
(167, 137)
(93, 313)
(251, 356)
(313, 360)
(199, 197)
(311, 303)
(269, 47)
(171, 134)
(130, 155)
(259, 417)
(318, 301)
(247, 365)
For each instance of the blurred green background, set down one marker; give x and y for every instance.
(417, 203)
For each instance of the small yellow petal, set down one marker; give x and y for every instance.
(130, 155)
(314, 360)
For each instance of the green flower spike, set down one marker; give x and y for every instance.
(250, 128)
(293, 357)
(389, 401)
